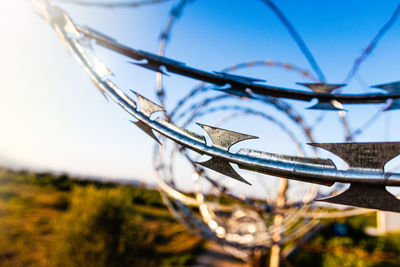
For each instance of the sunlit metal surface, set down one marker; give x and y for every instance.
(308, 170)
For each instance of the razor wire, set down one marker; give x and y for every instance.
(290, 210)
(242, 84)
(314, 170)
(358, 62)
(201, 88)
(209, 217)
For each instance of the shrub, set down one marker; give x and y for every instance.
(101, 229)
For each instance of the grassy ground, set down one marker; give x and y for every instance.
(33, 206)
(48, 220)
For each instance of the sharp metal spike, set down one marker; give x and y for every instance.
(238, 78)
(147, 107)
(325, 106)
(322, 87)
(392, 104)
(70, 28)
(392, 88)
(86, 41)
(146, 129)
(232, 90)
(100, 68)
(151, 66)
(56, 15)
(224, 138)
(101, 90)
(223, 167)
(366, 196)
(363, 155)
(163, 59)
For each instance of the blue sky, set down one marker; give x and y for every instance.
(52, 117)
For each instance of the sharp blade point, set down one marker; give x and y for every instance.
(322, 87)
(363, 155)
(366, 196)
(147, 107)
(147, 130)
(224, 138)
(223, 167)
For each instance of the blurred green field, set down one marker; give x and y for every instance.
(48, 220)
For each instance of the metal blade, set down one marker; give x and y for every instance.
(100, 68)
(233, 91)
(325, 106)
(392, 88)
(161, 58)
(101, 90)
(146, 129)
(223, 167)
(363, 155)
(392, 104)
(86, 41)
(322, 87)
(366, 196)
(147, 107)
(70, 28)
(224, 138)
(151, 66)
(238, 78)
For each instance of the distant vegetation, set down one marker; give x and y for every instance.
(344, 243)
(48, 220)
